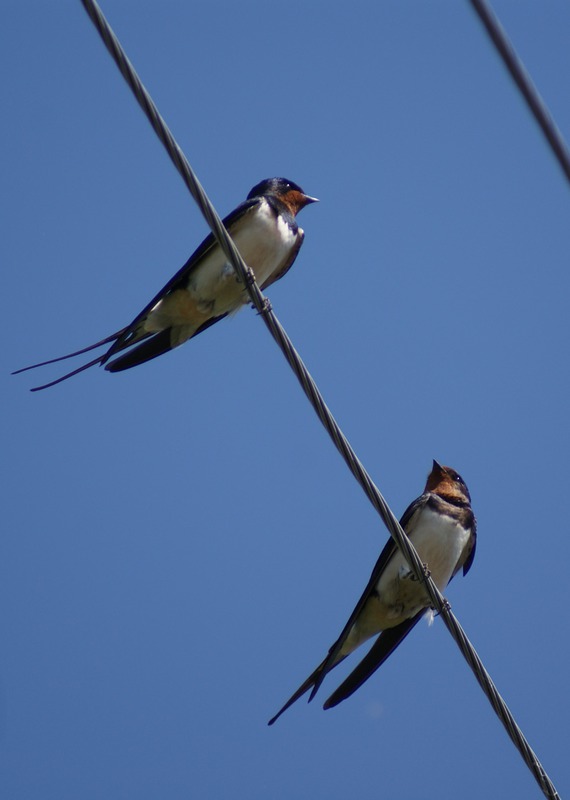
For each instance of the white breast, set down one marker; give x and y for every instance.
(440, 542)
(265, 242)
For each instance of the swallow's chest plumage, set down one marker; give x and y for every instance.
(266, 240)
(441, 541)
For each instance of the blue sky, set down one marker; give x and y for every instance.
(181, 542)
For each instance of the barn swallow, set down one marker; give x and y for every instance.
(206, 289)
(442, 528)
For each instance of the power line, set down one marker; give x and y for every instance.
(263, 306)
(523, 80)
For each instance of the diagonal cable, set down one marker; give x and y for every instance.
(263, 306)
(524, 82)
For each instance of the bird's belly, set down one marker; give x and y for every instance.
(213, 288)
(440, 542)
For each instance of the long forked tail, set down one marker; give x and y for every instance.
(383, 647)
(314, 679)
(100, 360)
(303, 689)
(154, 344)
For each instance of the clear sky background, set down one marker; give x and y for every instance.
(181, 543)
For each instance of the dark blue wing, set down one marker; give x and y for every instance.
(178, 281)
(383, 647)
(389, 549)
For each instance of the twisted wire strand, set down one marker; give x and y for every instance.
(523, 80)
(263, 306)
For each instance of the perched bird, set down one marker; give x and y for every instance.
(442, 528)
(207, 288)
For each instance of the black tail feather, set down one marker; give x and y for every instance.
(158, 344)
(383, 647)
(303, 689)
(314, 678)
(330, 661)
(99, 360)
(155, 345)
(108, 339)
